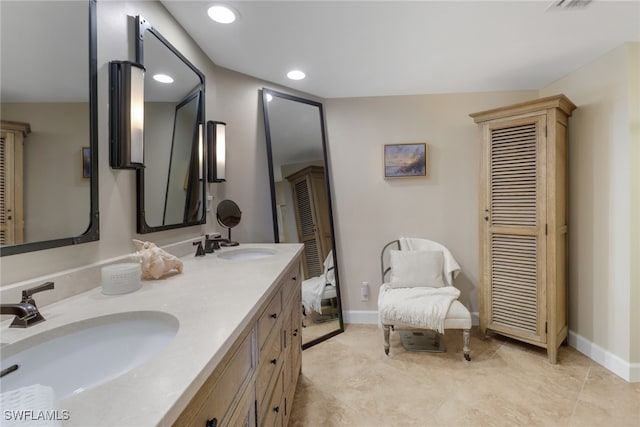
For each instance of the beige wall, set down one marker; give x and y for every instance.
(239, 104)
(602, 139)
(56, 196)
(370, 211)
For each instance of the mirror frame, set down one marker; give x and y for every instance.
(93, 230)
(143, 25)
(265, 110)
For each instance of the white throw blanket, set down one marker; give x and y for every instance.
(420, 307)
(312, 290)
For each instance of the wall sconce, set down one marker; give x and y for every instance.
(216, 151)
(126, 115)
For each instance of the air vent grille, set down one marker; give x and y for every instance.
(568, 4)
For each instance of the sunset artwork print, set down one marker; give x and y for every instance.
(405, 160)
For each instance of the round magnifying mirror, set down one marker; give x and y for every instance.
(228, 214)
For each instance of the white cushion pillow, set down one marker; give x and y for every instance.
(410, 269)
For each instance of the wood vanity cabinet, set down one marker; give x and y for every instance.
(523, 221)
(255, 383)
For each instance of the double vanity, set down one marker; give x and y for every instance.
(219, 344)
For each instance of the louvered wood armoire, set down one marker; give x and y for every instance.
(311, 208)
(12, 137)
(523, 221)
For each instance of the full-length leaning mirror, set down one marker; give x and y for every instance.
(301, 202)
(171, 186)
(48, 136)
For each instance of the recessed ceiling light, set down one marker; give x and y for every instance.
(221, 14)
(163, 78)
(296, 75)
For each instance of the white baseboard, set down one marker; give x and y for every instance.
(362, 317)
(626, 370)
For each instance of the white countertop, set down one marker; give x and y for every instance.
(214, 300)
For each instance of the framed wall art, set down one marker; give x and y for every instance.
(405, 160)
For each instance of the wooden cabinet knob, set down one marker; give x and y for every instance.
(274, 361)
(212, 422)
(276, 409)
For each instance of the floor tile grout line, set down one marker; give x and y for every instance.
(584, 382)
(497, 350)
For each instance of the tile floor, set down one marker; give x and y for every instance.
(348, 381)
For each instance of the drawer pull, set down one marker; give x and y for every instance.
(294, 278)
(274, 315)
(276, 409)
(274, 361)
(295, 332)
(212, 422)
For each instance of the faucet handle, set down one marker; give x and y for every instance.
(27, 293)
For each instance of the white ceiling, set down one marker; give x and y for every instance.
(376, 48)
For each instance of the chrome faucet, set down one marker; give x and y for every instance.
(26, 311)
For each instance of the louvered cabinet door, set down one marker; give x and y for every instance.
(11, 188)
(307, 230)
(514, 228)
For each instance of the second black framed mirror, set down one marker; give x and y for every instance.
(301, 205)
(171, 187)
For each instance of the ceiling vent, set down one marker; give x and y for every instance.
(569, 4)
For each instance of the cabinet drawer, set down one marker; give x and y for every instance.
(269, 318)
(273, 412)
(271, 359)
(222, 388)
(245, 413)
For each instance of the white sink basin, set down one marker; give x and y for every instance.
(82, 355)
(246, 253)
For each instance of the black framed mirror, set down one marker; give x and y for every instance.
(171, 187)
(49, 143)
(301, 205)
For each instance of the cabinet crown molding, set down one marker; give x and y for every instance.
(560, 102)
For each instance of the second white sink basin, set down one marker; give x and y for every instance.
(246, 253)
(82, 355)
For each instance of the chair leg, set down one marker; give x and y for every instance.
(465, 348)
(387, 330)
